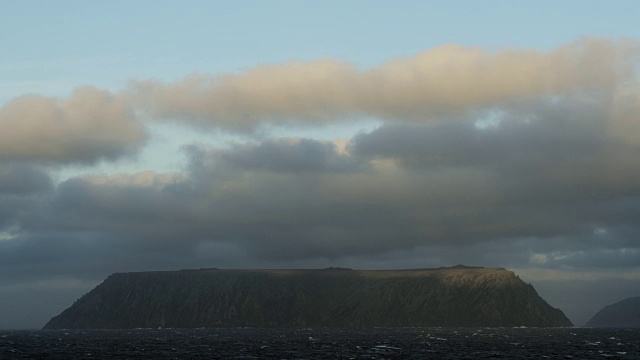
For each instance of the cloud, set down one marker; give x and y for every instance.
(439, 84)
(147, 179)
(22, 188)
(20, 179)
(316, 91)
(420, 88)
(289, 156)
(546, 177)
(88, 126)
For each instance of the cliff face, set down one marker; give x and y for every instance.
(311, 298)
(623, 314)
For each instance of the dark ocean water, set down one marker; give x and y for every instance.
(324, 343)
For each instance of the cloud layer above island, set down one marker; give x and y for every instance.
(511, 158)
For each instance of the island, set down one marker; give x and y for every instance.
(457, 296)
(623, 314)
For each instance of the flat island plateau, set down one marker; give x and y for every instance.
(458, 296)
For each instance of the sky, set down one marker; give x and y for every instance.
(156, 135)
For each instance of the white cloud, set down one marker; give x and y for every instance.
(90, 125)
(148, 179)
(538, 259)
(419, 88)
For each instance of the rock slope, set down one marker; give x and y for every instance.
(334, 297)
(623, 314)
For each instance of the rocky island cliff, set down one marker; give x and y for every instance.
(453, 297)
(623, 314)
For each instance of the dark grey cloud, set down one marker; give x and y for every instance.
(557, 165)
(289, 156)
(21, 179)
(22, 188)
(546, 176)
(552, 133)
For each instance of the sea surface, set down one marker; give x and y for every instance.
(323, 343)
